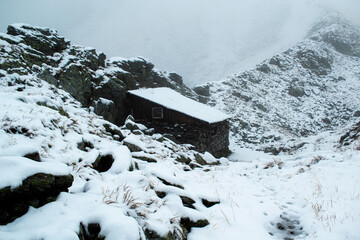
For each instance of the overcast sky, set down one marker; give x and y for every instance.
(202, 40)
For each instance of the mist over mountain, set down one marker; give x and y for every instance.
(201, 40)
(307, 89)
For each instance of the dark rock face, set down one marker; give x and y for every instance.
(76, 80)
(351, 135)
(318, 61)
(103, 163)
(188, 223)
(35, 191)
(202, 90)
(90, 232)
(296, 91)
(44, 40)
(33, 156)
(152, 235)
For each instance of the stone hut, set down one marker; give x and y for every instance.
(185, 120)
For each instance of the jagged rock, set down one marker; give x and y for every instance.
(114, 131)
(35, 191)
(316, 60)
(76, 80)
(160, 194)
(188, 223)
(351, 135)
(264, 68)
(176, 78)
(151, 131)
(103, 162)
(137, 132)
(280, 62)
(296, 91)
(132, 146)
(152, 235)
(85, 145)
(130, 123)
(44, 40)
(33, 156)
(105, 108)
(145, 157)
(170, 184)
(13, 66)
(183, 159)
(90, 58)
(114, 90)
(208, 203)
(199, 159)
(187, 202)
(202, 90)
(90, 232)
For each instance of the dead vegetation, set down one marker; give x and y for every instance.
(274, 163)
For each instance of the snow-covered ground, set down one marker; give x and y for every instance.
(311, 194)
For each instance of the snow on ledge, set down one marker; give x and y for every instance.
(15, 169)
(175, 101)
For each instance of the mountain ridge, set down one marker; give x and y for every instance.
(305, 90)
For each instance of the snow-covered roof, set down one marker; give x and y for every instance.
(175, 101)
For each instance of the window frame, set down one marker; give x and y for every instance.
(155, 114)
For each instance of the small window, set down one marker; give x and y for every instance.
(157, 113)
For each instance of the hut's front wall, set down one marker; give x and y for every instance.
(213, 138)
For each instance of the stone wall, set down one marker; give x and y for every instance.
(213, 138)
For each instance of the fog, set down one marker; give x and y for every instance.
(202, 40)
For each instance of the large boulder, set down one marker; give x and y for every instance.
(36, 191)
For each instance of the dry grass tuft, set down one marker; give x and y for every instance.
(273, 163)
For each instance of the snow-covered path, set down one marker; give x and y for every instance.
(314, 194)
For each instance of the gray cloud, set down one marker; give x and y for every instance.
(203, 40)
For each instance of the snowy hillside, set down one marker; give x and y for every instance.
(131, 185)
(128, 182)
(305, 90)
(67, 173)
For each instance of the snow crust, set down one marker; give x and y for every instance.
(175, 101)
(15, 169)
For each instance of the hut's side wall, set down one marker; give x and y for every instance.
(142, 110)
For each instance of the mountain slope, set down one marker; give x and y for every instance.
(307, 89)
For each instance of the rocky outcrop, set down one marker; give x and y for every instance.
(83, 72)
(44, 40)
(351, 135)
(35, 191)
